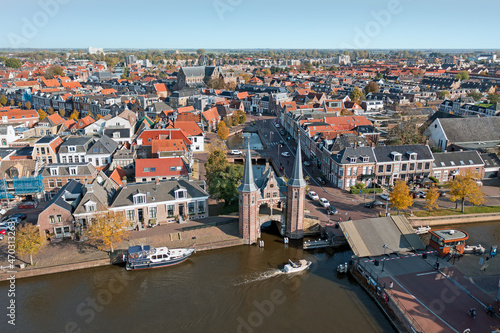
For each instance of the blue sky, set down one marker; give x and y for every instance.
(320, 24)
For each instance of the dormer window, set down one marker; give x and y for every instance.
(72, 149)
(72, 171)
(366, 159)
(139, 198)
(396, 156)
(352, 159)
(181, 194)
(90, 206)
(53, 171)
(412, 155)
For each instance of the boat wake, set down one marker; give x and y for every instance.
(259, 277)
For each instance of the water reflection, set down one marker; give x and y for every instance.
(241, 140)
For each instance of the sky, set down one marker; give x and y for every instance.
(250, 24)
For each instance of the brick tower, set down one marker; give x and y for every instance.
(295, 200)
(248, 193)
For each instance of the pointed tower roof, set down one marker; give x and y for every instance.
(297, 178)
(248, 182)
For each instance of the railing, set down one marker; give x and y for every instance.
(207, 225)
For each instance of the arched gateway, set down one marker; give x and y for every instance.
(274, 192)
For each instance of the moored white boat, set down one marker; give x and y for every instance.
(422, 230)
(145, 256)
(295, 267)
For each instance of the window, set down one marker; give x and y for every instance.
(427, 166)
(170, 210)
(352, 159)
(152, 212)
(404, 167)
(91, 207)
(145, 170)
(72, 171)
(341, 172)
(355, 171)
(59, 182)
(59, 219)
(179, 168)
(191, 208)
(268, 195)
(419, 166)
(130, 215)
(275, 194)
(64, 159)
(349, 171)
(380, 168)
(53, 172)
(412, 166)
(70, 159)
(139, 199)
(71, 149)
(364, 170)
(389, 168)
(51, 219)
(153, 169)
(366, 159)
(201, 207)
(51, 183)
(172, 168)
(348, 182)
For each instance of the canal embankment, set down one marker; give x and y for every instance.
(453, 219)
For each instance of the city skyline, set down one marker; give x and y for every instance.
(236, 24)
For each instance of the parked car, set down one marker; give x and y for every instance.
(332, 210)
(282, 132)
(276, 125)
(236, 152)
(313, 195)
(479, 183)
(421, 194)
(4, 228)
(374, 204)
(259, 114)
(26, 205)
(12, 220)
(442, 193)
(285, 153)
(385, 196)
(321, 180)
(307, 163)
(323, 202)
(20, 215)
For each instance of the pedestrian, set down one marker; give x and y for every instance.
(340, 219)
(472, 312)
(437, 265)
(391, 285)
(489, 310)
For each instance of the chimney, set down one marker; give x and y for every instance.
(124, 182)
(157, 180)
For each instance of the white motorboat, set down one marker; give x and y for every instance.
(422, 230)
(295, 267)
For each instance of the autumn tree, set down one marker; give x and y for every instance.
(107, 230)
(345, 112)
(371, 87)
(50, 111)
(222, 131)
(267, 71)
(400, 196)
(357, 95)
(62, 112)
(493, 98)
(476, 95)
(41, 114)
(19, 104)
(465, 187)
(444, 94)
(431, 198)
(28, 241)
(53, 71)
(3, 100)
(246, 77)
(74, 115)
(12, 102)
(28, 105)
(406, 133)
(216, 83)
(98, 117)
(216, 144)
(242, 117)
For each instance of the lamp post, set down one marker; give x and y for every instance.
(383, 262)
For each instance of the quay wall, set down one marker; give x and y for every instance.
(453, 219)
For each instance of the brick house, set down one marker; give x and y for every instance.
(46, 148)
(448, 165)
(58, 174)
(56, 220)
(351, 166)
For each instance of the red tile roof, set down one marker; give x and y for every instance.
(117, 175)
(160, 167)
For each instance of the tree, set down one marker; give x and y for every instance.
(222, 177)
(19, 104)
(216, 144)
(200, 51)
(41, 114)
(267, 71)
(3, 100)
(444, 94)
(357, 95)
(223, 131)
(28, 241)
(494, 98)
(418, 104)
(345, 112)
(75, 115)
(111, 62)
(12, 102)
(475, 94)
(242, 117)
(216, 83)
(462, 75)
(97, 117)
(400, 196)
(28, 105)
(246, 77)
(53, 71)
(50, 111)
(371, 87)
(13, 63)
(431, 198)
(465, 187)
(406, 133)
(107, 230)
(62, 112)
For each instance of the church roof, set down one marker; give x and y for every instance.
(248, 183)
(297, 178)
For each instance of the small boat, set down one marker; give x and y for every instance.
(145, 257)
(422, 230)
(295, 267)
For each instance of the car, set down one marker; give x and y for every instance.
(282, 132)
(479, 183)
(421, 194)
(26, 205)
(307, 163)
(442, 193)
(385, 196)
(323, 202)
(313, 195)
(321, 180)
(236, 152)
(277, 125)
(4, 228)
(12, 220)
(374, 204)
(285, 153)
(259, 114)
(20, 216)
(331, 210)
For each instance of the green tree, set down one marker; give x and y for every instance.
(41, 114)
(200, 51)
(371, 87)
(476, 95)
(242, 117)
(224, 184)
(444, 94)
(28, 241)
(111, 62)
(462, 75)
(3, 100)
(223, 131)
(53, 71)
(465, 187)
(494, 98)
(357, 95)
(217, 161)
(400, 196)
(13, 63)
(406, 133)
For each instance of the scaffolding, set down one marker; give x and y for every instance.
(28, 185)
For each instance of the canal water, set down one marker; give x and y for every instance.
(242, 139)
(238, 289)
